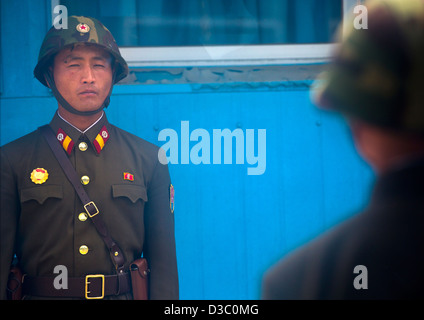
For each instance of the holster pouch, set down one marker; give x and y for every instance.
(139, 270)
(14, 284)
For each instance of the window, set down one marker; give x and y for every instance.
(217, 33)
(158, 23)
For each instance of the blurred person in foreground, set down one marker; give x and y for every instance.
(375, 81)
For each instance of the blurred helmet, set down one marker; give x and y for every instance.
(376, 74)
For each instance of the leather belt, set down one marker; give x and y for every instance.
(94, 286)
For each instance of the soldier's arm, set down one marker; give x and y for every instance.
(159, 248)
(9, 213)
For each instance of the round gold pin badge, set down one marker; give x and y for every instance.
(39, 175)
(83, 28)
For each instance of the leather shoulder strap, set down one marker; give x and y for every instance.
(90, 207)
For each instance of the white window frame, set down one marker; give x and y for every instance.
(239, 55)
(226, 55)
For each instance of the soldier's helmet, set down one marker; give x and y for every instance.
(80, 30)
(376, 74)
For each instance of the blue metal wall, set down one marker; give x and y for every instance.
(230, 226)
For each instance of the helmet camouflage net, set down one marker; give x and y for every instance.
(80, 30)
(376, 74)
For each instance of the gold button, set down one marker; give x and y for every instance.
(82, 216)
(83, 146)
(83, 249)
(85, 180)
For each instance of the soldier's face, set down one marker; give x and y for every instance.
(83, 76)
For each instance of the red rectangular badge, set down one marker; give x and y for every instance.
(128, 176)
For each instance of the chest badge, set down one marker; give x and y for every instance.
(39, 175)
(128, 176)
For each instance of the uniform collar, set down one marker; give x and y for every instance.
(68, 135)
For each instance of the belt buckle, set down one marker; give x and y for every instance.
(88, 211)
(87, 282)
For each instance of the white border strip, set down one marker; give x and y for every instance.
(227, 55)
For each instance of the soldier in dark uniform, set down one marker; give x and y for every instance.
(376, 82)
(43, 222)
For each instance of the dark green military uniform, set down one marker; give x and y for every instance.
(44, 224)
(49, 226)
